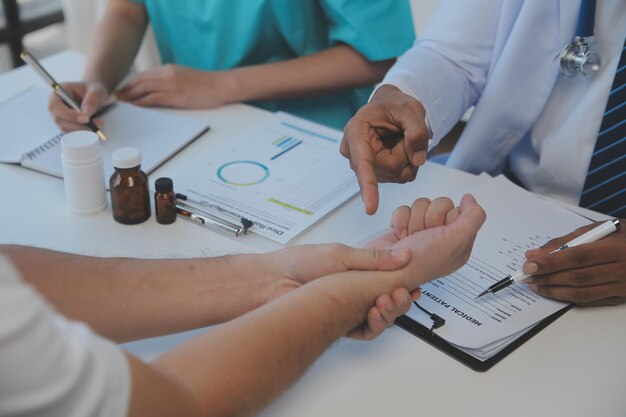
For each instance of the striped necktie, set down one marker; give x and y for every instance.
(605, 185)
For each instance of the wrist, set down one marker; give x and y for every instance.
(351, 294)
(255, 82)
(261, 276)
(231, 86)
(96, 84)
(382, 91)
(99, 78)
(340, 300)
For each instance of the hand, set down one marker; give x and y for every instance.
(91, 96)
(177, 86)
(588, 275)
(385, 141)
(439, 235)
(298, 265)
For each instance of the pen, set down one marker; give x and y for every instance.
(67, 98)
(597, 233)
(203, 218)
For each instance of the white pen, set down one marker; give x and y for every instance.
(597, 233)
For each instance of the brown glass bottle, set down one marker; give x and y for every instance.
(164, 201)
(130, 197)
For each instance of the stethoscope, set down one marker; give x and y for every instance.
(578, 57)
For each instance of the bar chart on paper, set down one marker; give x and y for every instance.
(284, 175)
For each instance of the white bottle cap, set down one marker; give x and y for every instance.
(80, 146)
(125, 158)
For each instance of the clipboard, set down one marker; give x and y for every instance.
(419, 330)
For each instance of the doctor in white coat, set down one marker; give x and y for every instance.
(530, 120)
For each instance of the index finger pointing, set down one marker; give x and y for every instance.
(364, 170)
(362, 161)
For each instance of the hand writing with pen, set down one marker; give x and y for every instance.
(588, 275)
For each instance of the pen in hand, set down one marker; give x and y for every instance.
(56, 87)
(597, 233)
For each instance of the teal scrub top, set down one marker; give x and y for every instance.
(225, 34)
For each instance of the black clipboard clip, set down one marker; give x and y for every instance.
(426, 334)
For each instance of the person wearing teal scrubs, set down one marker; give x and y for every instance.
(313, 58)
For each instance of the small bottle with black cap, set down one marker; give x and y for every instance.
(130, 197)
(164, 201)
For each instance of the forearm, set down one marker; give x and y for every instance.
(117, 38)
(241, 366)
(337, 68)
(126, 299)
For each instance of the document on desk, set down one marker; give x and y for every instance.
(283, 174)
(516, 221)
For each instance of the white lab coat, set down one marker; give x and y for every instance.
(500, 55)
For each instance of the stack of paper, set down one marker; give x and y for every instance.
(516, 221)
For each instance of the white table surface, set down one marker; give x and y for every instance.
(575, 367)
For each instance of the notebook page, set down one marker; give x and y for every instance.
(157, 134)
(25, 124)
(516, 221)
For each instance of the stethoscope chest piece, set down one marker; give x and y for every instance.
(578, 58)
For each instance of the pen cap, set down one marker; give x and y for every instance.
(125, 158)
(83, 172)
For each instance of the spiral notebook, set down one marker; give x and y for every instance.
(30, 138)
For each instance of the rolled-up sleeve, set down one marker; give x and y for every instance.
(50, 366)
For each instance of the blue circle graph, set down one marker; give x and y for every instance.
(260, 174)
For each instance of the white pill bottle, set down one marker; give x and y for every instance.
(83, 172)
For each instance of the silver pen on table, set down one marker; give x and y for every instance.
(195, 214)
(597, 233)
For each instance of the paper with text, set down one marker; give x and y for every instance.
(516, 221)
(284, 174)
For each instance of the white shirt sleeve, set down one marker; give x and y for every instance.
(447, 67)
(53, 367)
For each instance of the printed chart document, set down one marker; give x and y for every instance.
(516, 221)
(28, 135)
(283, 174)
